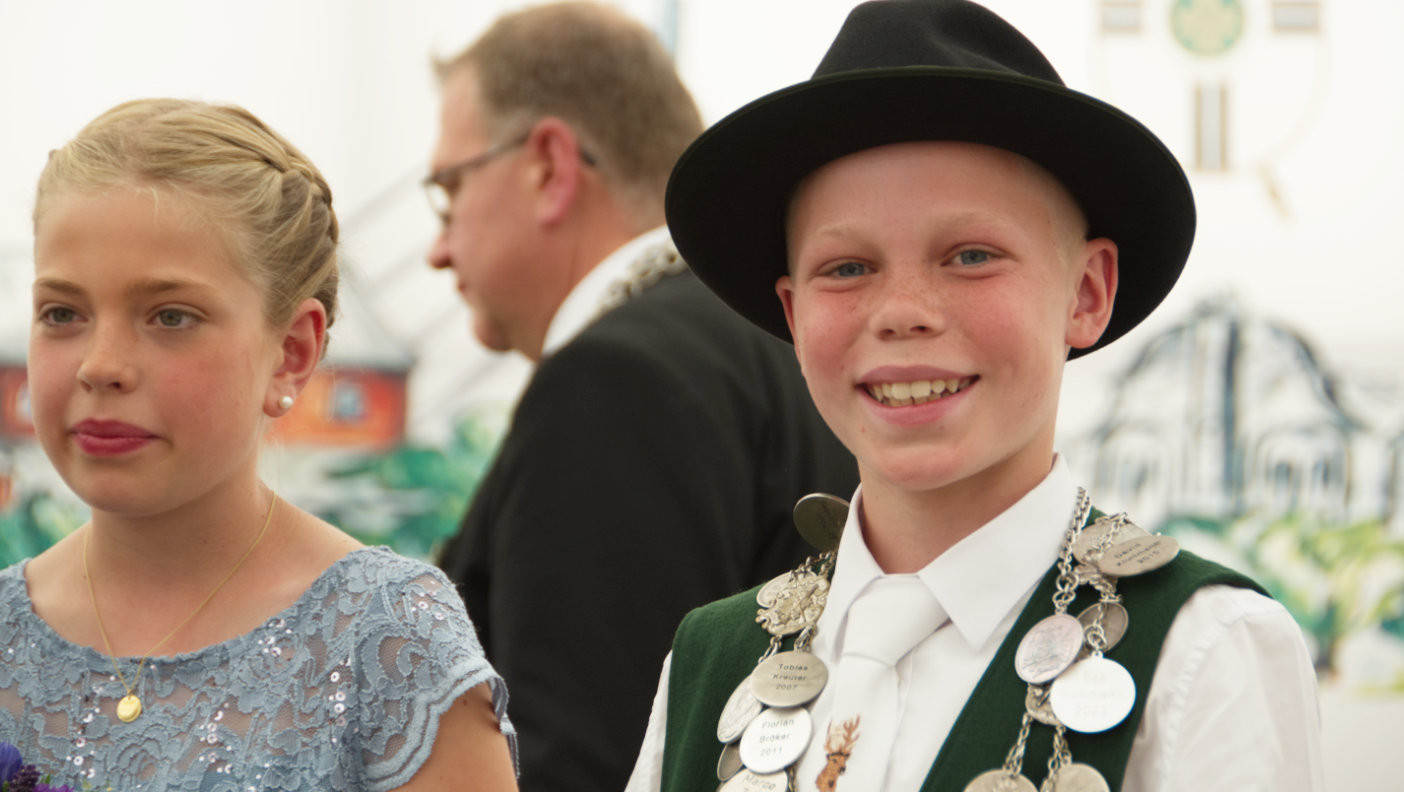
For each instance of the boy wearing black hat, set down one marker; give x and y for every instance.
(945, 223)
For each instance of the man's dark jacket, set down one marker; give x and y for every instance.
(651, 467)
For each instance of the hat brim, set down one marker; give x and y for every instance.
(730, 191)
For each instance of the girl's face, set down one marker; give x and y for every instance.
(150, 360)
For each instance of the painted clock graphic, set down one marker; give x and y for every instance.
(1230, 85)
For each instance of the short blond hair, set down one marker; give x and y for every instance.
(268, 198)
(600, 71)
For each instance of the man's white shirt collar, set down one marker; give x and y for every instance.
(982, 577)
(581, 306)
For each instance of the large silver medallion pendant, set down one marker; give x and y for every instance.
(797, 605)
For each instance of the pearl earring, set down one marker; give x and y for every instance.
(286, 402)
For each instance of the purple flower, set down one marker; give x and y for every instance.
(43, 787)
(9, 761)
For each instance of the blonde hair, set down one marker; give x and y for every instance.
(600, 71)
(270, 201)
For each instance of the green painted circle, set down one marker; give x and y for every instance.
(1207, 27)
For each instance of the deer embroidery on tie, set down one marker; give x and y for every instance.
(837, 752)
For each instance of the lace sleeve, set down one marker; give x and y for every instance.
(416, 654)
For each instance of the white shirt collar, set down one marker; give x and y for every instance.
(581, 306)
(983, 576)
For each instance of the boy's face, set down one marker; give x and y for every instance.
(934, 291)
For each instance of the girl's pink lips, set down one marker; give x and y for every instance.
(109, 438)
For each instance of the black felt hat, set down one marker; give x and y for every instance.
(908, 70)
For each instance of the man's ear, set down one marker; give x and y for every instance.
(1094, 293)
(301, 347)
(556, 170)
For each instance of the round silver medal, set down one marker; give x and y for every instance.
(1138, 555)
(1093, 695)
(1079, 777)
(729, 763)
(789, 679)
(820, 519)
(775, 739)
(740, 708)
(1000, 781)
(1114, 621)
(1048, 648)
(748, 781)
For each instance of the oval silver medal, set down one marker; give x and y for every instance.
(1093, 695)
(1048, 648)
(729, 763)
(820, 518)
(775, 739)
(740, 708)
(789, 679)
(1000, 781)
(1138, 555)
(748, 781)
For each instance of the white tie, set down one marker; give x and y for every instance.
(887, 620)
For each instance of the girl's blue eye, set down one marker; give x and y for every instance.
(971, 258)
(850, 269)
(58, 316)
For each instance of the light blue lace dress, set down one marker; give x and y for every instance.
(343, 690)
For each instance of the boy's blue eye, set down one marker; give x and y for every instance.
(171, 317)
(850, 269)
(971, 258)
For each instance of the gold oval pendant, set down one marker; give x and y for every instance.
(129, 708)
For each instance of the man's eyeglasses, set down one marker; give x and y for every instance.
(440, 185)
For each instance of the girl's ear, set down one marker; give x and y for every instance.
(301, 348)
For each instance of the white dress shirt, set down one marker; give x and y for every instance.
(1232, 704)
(582, 305)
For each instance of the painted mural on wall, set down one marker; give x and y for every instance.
(1229, 432)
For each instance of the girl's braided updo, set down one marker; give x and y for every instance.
(271, 203)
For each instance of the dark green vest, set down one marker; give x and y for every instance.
(717, 646)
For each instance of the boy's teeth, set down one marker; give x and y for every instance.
(895, 394)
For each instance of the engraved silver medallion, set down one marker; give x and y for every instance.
(1114, 621)
(1000, 781)
(1047, 648)
(740, 708)
(1093, 535)
(820, 519)
(1079, 777)
(748, 781)
(729, 763)
(775, 739)
(798, 604)
(789, 679)
(1093, 695)
(1138, 555)
(768, 592)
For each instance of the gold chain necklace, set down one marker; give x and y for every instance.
(129, 708)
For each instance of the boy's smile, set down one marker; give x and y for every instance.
(934, 291)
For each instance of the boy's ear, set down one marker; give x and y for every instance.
(557, 168)
(785, 290)
(301, 348)
(1094, 293)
